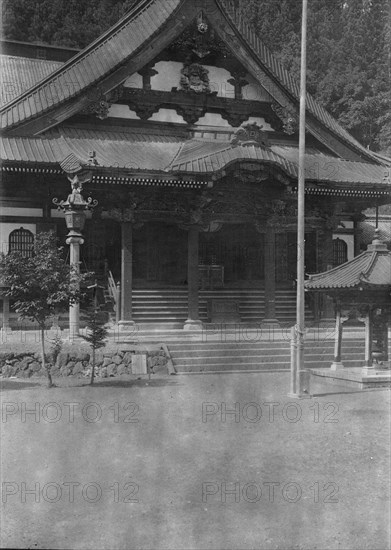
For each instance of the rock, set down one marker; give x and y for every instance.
(67, 369)
(25, 362)
(117, 359)
(112, 369)
(39, 373)
(62, 359)
(4, 356)
(35, 366)
(107, 361)
(103, 372)
(78, 368)
(98, 359)
(122, 369)
(6, 371)
(17, 366)
(127, 358)
(25, 373)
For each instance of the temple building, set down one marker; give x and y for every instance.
(184, 127)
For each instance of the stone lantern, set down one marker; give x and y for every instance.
(75, 208)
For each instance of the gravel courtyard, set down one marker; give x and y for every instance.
(174, 464)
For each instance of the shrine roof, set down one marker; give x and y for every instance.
(21, 73)
(135, 149)
(126, 47)
(367, 229)
(93, 63)
(323, 167)
(370, 270)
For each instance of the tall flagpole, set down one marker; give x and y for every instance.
(299, 377)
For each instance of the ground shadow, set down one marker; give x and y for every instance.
(7, 385)
(364, 390)
(115, 383)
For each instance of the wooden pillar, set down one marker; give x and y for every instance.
(270, 276)
(368, 341)
(325, 263)
(126, 275)
(357, 238)
(337, 362)
(192, 322)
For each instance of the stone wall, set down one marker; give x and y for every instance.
(78, 363)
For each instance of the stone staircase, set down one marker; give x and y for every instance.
(240, 349)
(169, 306)
(261, 356)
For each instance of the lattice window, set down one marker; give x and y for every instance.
(340, 252)
(21, 240)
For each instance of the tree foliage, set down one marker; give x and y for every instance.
(348, 58)
(349, 48)
(96, 336)
(41, 285)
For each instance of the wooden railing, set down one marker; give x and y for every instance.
(115, 293)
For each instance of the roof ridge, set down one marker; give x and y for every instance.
(170, 164)
(136, 10)
(356, 259)
(245, 30)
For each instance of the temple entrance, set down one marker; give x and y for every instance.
(159, 255)
(239, 249)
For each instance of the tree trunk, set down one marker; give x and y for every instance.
(93, 367)
(44, 365)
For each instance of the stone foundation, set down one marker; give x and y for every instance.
(78, 364)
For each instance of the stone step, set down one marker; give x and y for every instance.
(246, 367)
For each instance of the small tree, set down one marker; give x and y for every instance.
(96, 336)
(41, 285)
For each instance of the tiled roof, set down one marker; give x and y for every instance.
(133, 31)
(322, 167)
(368, 230)
(33, 150)
(101, 57)
(283, 76)
(123, 148)
(21, 73)
(112, 150)
(208, 157)
(371, 269)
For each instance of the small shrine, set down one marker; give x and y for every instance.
(361, 291)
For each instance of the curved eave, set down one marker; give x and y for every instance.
(369, 270)
(287, 85)
(73, 86)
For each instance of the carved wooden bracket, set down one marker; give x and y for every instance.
(238, 82)
(147, 72)
(191, 113)
(288, 117)
(235, 111)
